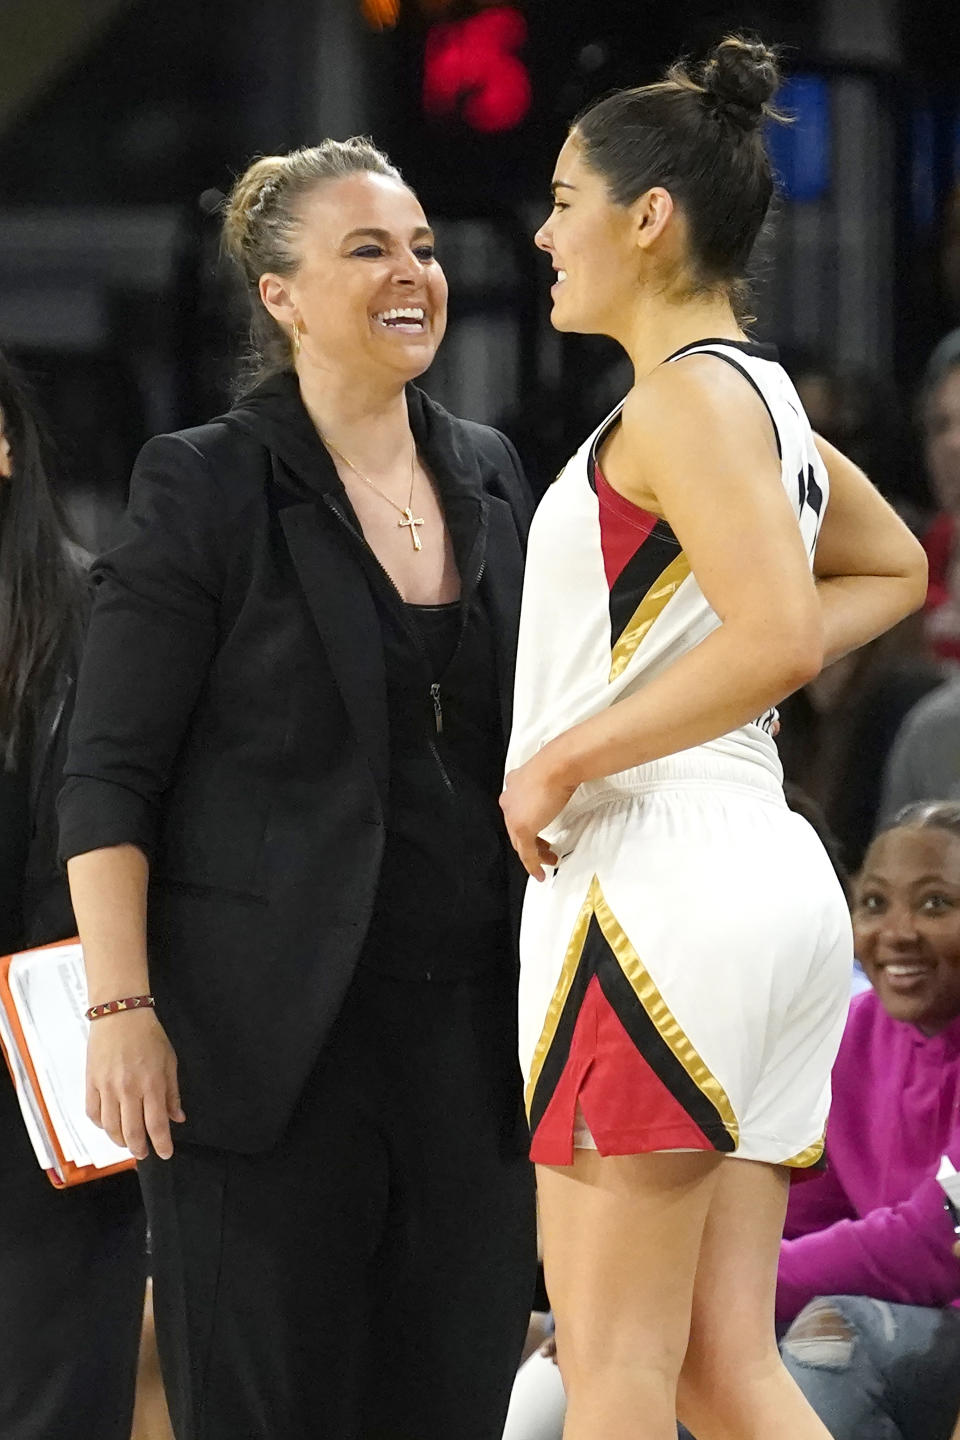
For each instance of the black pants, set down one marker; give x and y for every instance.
(72, 1277)
(369, 1278)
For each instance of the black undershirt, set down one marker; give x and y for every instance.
(441, 906)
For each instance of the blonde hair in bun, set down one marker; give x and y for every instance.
(260, 221)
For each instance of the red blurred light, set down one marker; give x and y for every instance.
(474, 65)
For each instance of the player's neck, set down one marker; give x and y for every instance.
(658, 328)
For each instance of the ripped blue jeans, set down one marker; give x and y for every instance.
(877, 1371)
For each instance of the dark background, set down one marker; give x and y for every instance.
(121, 125)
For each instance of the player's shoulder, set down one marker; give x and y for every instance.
(695, 400)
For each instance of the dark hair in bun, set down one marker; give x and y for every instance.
(697, 133)
(739, 80)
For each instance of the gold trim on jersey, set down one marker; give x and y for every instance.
(662, 590)
(559, 997)
(673, 1036)
(807, 1157)
(646, 992)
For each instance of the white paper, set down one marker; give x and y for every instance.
(49, 990)
(44, 1034)
(32, 1114)
(949, 1180)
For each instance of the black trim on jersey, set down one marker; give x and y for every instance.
(811, 496)
(662, 528)
(749, 347)
(600, 436)
(814, 493)
(597, 958)
(729, 360)
(642, 570)
(647, 563)
(555, 1060)
(766, 720)
(650, 1043)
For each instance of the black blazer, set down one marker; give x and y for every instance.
(231, 721)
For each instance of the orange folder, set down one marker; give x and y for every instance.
(69, 1173)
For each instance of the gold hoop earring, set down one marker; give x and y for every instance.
(296, 337)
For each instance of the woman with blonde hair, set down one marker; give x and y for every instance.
(281, 823)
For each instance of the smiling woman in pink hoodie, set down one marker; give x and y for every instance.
(867, 1271)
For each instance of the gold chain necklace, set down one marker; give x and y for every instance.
(409, 520)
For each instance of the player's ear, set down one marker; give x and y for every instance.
(652, 212)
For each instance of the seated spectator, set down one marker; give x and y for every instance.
(867, 1274)
(925, 759)
(940, 425)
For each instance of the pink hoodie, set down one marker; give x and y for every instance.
(874, 1223)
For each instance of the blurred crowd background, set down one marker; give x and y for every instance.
(123, 123)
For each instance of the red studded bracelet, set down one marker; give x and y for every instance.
(113, 1007)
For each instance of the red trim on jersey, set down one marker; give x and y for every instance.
(623, 527)
(627, 1106)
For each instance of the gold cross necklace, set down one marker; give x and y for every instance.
(409, 520)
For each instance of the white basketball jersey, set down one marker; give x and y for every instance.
(609, 599)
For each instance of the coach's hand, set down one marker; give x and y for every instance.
(132, 1090)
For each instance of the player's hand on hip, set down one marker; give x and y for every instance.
(531, 799)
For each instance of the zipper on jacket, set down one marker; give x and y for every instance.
(437, 707)
(434, 689)
(443, 769)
